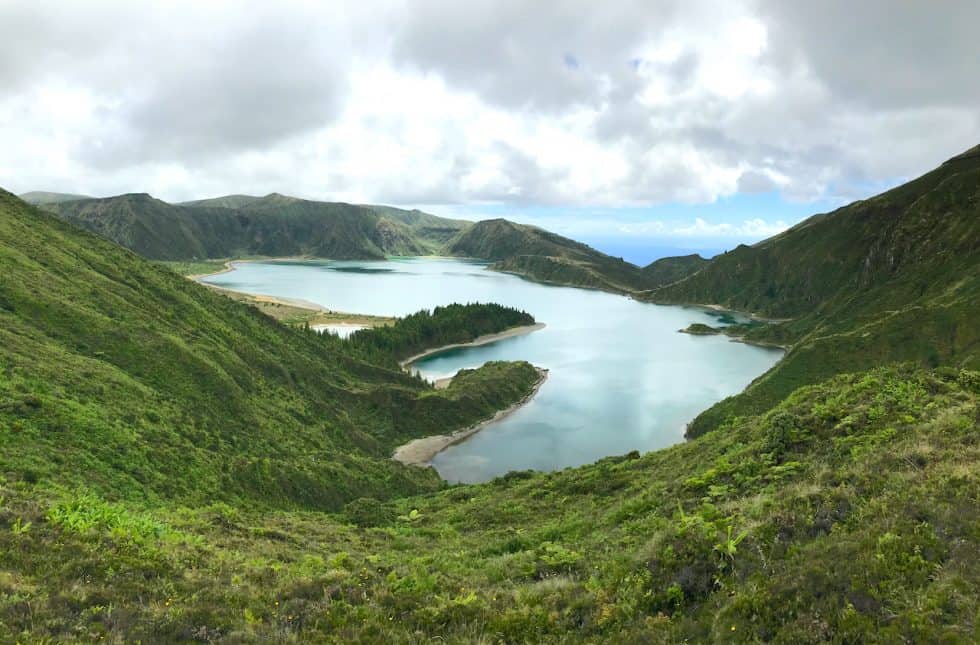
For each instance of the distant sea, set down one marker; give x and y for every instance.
(641, 252)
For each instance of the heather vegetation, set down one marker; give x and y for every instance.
(846, 514)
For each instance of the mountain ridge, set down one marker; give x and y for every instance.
(241, 226)
(277, 225)
(853, 283)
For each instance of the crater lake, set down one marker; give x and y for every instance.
(621, 377)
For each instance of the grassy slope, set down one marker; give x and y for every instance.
(274, 225)
(846, 514)
(668, 270)
(127, 378)
(545, 256)
(892, 278)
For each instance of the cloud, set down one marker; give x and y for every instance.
(753, 228)
(752, 181)
(516, 54)
(627, 103)
(878, 53)
(164, 86)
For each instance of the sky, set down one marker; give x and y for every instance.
(639, 127)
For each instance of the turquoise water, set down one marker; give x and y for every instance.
(621, 377)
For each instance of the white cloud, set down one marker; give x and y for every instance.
(479, 102)
(754, 228)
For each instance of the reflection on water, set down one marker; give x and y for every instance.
(621, 377)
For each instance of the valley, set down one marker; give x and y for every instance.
(178, 465)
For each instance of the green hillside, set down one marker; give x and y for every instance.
(891, 278)
(236, 226)
(136, 383)
(667, 270)
(846, 514)
(541, 255)
(241, 226)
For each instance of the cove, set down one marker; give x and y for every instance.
(621, 377)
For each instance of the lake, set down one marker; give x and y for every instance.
(621, 377)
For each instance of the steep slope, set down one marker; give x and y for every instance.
(892, 278)
(927, 223)
(279, 225)
(134, 382)
(541, 255)
(274, 225)
(668, 270)
(164, 450)
(435, 231)
(153, 228)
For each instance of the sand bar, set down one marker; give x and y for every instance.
(479, 340)
(419, 452)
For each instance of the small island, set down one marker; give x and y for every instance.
(700, 329)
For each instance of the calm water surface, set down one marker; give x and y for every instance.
(621, 377)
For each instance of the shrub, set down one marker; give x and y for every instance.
(367, 511)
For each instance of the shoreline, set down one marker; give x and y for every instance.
(716, 331)
(230, 265)
(419, 452)
(335, 317)
(476, 342)
(728, 310)
(198, 276)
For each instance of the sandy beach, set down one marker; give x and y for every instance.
(198, 276)
(479, 340)
(293, 310)
(419, 452)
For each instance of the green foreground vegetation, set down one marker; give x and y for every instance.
(846, 514)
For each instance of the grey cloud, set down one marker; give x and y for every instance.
(41, 41)
(245, 94)
(863, 93)
(179, 88)
(755, 182)
(523, 180)
(882, 53)
(514, 53)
